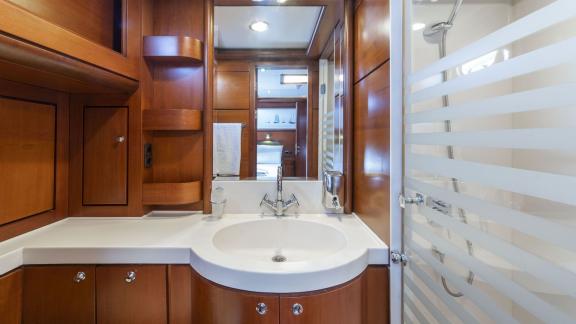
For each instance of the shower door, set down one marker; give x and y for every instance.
(489, 203)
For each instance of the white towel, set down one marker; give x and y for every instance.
(227, 143)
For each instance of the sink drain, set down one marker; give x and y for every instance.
(278, 258)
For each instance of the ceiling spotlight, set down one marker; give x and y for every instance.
(259, 26)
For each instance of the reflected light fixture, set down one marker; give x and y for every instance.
(280, 1)
(418, 26)
(293, 79)
(259, 26)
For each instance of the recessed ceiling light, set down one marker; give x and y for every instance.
(293, 79)
(418, 26)
(259, 26)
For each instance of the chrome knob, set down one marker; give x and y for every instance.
(297, 309)
(120, 139)
(130, 277)
(261, 308)
(80, 276)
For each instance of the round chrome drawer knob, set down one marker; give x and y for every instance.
(120, 139)
(130, 277)
(80, 276)
(261, 308)
(297, 309)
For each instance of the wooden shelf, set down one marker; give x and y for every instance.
(173, 49)
(172, 193)
(172, 119)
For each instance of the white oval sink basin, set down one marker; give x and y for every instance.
(279, 240)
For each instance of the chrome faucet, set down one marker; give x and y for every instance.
(279, 206)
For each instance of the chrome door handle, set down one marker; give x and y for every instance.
(79, 277)
(120, 139)
(130, 277)
(261, 308)
(297, 309)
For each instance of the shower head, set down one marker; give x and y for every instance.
(434, 33)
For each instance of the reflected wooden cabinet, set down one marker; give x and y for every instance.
(59, 294)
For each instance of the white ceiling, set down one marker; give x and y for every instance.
(291, 27)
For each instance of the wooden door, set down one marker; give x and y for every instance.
(301, 138)
(105, 168)
(342, 305)
(213, 304)
(59, 294)
(27, 158)
(130, 294)
(11, 298)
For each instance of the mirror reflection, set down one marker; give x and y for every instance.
(274, 97)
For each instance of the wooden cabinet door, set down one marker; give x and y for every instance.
(130, 294)
(213, 304)
(59, 294)
(342, 305)
(105, 168)
(11, 298)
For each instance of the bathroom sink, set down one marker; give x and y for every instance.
(279, 240)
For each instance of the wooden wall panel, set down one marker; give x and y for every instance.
(53, 189)
(27, 158)
(243, 117)
(11, 298)
(105, 161)
(233, 90)
(372, 151)
(371, 41)
(91, 19)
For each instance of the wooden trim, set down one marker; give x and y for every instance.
(209, 72)
(34, 30)
(260, 54)
(172, 49)
(61, 101)
(172, 193)
(348, 62)
(172, 119)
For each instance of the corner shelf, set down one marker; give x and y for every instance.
(172, 119)
(173, 49)
(172, 193)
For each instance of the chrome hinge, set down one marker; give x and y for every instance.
(398, 257)
(418, 200)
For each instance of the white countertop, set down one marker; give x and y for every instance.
(188, 239)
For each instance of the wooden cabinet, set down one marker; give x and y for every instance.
(11, 298)
(105, 168)
(213, 304)
(342, 305)
(362, 300)
(59, 294)
(131, 294)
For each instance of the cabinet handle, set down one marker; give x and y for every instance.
(130, 277)
(80, 276)
(261, 308)
(297, 309)
(120, 139)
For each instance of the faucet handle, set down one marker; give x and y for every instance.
(293, 200)
(264, 199)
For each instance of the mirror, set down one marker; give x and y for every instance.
(277, 99)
